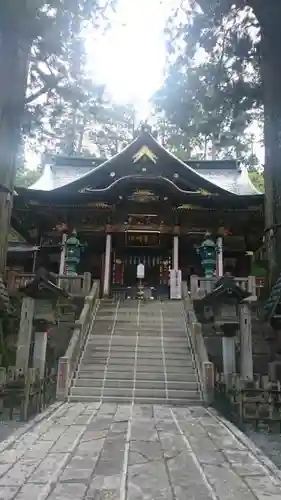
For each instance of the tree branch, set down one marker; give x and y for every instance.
(32, 97)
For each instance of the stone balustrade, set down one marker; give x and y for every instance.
(79, 285)
(201, 286)
(68, 363)
(205, 367)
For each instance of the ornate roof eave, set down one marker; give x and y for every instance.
(111, 194)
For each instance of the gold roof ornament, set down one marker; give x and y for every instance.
(145, 153)
(143, 195)
(204, 192)
(15, 237)
(188, 207)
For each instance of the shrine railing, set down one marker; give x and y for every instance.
(204, 366)
(69, 362)
(201, 286)
(74, 285)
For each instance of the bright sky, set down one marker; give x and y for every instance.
(130, 57)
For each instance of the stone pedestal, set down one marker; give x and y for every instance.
(228, 354)
(87, 283)
(39, 353)
(246, 350)
(25, 334)
(194, 286)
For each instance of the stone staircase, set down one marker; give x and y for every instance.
(138, 351)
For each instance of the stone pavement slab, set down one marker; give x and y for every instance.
(104, 451)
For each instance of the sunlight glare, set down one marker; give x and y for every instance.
(130, 57)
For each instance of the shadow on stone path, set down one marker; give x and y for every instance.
(113, 452)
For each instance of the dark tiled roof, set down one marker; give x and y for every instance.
(224, 176)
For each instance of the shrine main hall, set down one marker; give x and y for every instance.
(143, 205)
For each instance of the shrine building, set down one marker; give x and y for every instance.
(143, 205)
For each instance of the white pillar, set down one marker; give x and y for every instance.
(228, 355)
(246, 350)
(219, 267)
(176, 253)
(25, 334)
(39, 353)
(62, 257)
(107, 264)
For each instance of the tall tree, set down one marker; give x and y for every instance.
(263, 52)
(35, 38)
(209, 93)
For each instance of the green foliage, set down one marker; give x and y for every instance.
(26, 177)
(212, 90)
(49, 34)
(257, 179)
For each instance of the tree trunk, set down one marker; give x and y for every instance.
(14, 53)
(269, 16)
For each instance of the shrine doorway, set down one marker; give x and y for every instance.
(152, 264)
(155, 257)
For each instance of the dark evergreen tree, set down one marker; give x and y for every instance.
(247, 75)
(36, 40)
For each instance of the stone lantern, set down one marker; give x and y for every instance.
(38, 313)
(272, 315)
(208, 254)
(73, 254)
(224, 308)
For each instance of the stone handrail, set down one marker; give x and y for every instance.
(200, 286)
(68, 362)
(205, 367)
(76, 285)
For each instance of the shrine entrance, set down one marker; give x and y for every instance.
(152, 262)
(141, 248)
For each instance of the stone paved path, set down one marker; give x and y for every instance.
(114, 452)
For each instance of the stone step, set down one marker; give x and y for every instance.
(182, 371)
(141, 363)
(129, 375)
(141, 356)
(141, 393)
(138, 384)
(129, 350)
(143, 401)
